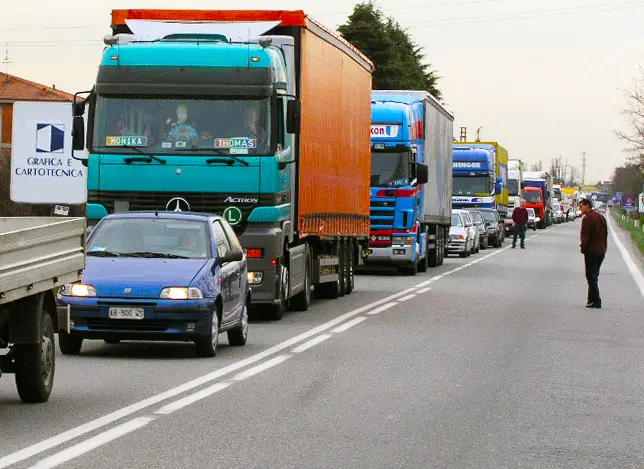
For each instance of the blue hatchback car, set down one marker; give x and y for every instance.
(174, 276)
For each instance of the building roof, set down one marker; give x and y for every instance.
(13, 88)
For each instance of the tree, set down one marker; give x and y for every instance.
(634, 113)
(628, 179)
(398, 60)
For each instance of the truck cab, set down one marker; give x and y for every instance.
(533, 197)
(475, 183)
(397, 198)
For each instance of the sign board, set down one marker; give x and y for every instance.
(641, 200)
(628, 201)
(385, 131)
(42, 168)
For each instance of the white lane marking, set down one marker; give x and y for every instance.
(405, 298)
(262, 367)
(426, 282)
(92, 443)
(424, 290)
(192, 398)
(311, 343)
(632, 267)
(107, 419)
(349, 325)
(382, 308)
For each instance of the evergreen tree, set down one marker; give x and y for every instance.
(398, 60)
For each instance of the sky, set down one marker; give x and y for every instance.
(544, 79)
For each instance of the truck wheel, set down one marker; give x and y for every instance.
(342, 269)
(207, 346)
(36, 364)
(302, 300)
(351, 276)
(276, 312)
(330, 290)
(69, 345)
(410, 270)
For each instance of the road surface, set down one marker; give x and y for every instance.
(487, 362)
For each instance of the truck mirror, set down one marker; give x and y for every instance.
(498, 188)
(422, 173)
(78, 133)
(293, 117)
(78, 108)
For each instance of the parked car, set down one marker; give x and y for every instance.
(495, 226)
(479, 223)
(159, 276)
(532, 219)
(459, 237)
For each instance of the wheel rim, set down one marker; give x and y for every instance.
(215, 331)
(47, 358)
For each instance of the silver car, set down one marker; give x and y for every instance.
(459, 237)
(479, 223)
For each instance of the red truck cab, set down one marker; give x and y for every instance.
(533, 197)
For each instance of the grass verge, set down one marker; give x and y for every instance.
(637, 234)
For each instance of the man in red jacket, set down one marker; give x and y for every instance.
(520, 219)
(594, 240)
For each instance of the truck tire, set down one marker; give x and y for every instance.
(411, 270)
(342, 268)
(330, 290)
(275, 312)
(36, 364)
(302, 301)
(68, 344)
(441, 249)
(351, 275)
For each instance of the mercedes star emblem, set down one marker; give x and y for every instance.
(179, 204)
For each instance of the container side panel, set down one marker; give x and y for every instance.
(335, 158)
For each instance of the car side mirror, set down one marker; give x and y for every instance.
(293, 117)
(231, 256)
(422, 173)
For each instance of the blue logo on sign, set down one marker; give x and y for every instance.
(50, 138)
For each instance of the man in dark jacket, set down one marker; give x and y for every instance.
(520, 219)
(594, 238)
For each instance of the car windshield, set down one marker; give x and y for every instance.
(150, 237)
(533, 197)
(168, 126)
(490, 217)
(476, 217)
(389, 169)
(471, 185)
(456, 220)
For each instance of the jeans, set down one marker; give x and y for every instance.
(519, 230)
(593, 263)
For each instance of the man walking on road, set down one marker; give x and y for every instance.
(594, 240)
(520, 219)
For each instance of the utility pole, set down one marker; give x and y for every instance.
(583, 168)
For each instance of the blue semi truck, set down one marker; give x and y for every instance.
(411, 155)
(243, 114)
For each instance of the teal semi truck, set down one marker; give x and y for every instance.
(262, 117)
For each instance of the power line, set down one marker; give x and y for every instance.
(418, 7)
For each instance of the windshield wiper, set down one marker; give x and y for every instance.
(103, 254)
(148, 157)
(152, 255)
(232, 159)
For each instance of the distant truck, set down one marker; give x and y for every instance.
(37, 255)
(410, 217)
(515, 182)
(537, 193)
(480, 171)
(260, 116)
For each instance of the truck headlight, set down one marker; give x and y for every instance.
(401, 240)
(537, 219)
(80, 290)
(180, 293)
(255, 278)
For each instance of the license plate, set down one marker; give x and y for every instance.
(126, 313)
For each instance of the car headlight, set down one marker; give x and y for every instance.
(401, 240)
(80, 290)
(181, 293)
(255, 278)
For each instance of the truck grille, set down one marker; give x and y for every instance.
(382, 213)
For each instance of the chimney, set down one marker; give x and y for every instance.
(53, 86)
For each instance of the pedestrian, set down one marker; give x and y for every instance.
(594, 240)
(520, 219)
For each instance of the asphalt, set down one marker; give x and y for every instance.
(493, 363)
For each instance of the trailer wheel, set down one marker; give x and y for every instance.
(342, 269)
(36, 364)
(351, 275)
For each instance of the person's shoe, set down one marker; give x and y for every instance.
(590, 304)
(522, 247)
(513, 246)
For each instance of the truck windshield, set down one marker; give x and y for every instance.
(167, 126)
(389, 169)
(471, 185)
(533, 197)
(513, 187)
(150, 238)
